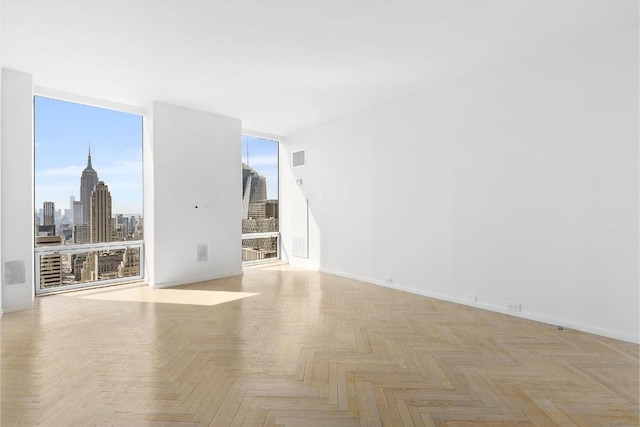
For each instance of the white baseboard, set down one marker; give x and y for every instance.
(537, 317)
(16, 308)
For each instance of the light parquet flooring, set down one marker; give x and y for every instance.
(302, 348)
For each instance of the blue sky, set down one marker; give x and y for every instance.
(63, 132)
(263, 157)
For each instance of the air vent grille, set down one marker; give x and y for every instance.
(14, 272)
(300, 227)
(300, 247)
(298, 158)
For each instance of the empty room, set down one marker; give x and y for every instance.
(336, 213)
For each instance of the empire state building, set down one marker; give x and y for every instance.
(88, 181)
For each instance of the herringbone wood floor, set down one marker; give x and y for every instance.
(309, 349)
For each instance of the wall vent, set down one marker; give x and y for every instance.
(203, 253)
(300, 227)
(300, 247)
(14, 272)
(298, 158)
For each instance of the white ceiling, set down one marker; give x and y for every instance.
(281, 65)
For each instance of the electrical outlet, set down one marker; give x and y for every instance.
(471, 298)
(514, 306)
(388, 280)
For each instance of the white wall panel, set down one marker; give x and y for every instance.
(196, 195)
(17, 189)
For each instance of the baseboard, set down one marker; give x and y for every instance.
(537, 317)
(16, 309)
(304, 263)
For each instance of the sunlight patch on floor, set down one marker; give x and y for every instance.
(143, 293)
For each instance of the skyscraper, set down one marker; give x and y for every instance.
(259, 215)
(77, 215)
(81, 234)
(50, 270)
(130, 264)
(254, 193)
(48, 227)
(49, 209)
(100, 214)
(88, 181)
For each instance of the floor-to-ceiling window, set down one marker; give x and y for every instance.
(88, 221)
(260, 228)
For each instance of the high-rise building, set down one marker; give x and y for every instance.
(49, 210)
(259, 215)
(77, 217)
(121, 227)
(107, 264)
(132, 223)
(138, 231)
(77, 260)
(101, 265)
(50, 264)
(88, 181)
(50, 270)
(254, 193)
(46, 230)
(88, 272)
(100, 218)
(81, 234)
(130, 264)
(271, 209)
(48, 227)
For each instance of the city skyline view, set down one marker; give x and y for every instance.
(99, 199)
(260, 209)
(261, 155)
(65, 131)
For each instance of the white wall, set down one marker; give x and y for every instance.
(1, 281)
(17, 186)
(196, 162)
(515, 185)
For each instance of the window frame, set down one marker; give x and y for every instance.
(38, 251)
(279, 140)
